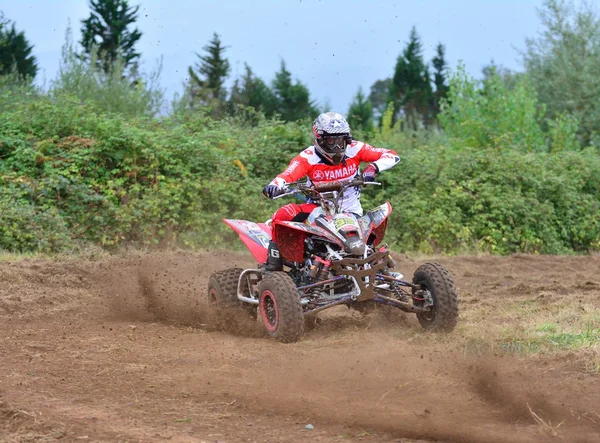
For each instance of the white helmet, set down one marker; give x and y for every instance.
(331, 133)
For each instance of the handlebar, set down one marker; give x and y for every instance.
(314, 191)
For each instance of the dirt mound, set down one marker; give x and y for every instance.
(122, 349)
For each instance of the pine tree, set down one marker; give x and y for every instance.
(107, 31)
(293, 99)
(252, 91)
(439, 78)
(360, 114)
(380, 93)
(411, 90)
(15, 51)
(236, 97)
(207, 79)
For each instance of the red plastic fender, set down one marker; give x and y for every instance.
(256, 236)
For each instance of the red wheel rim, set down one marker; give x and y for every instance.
(269, 311)
(212, 296)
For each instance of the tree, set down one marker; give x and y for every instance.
(508, 76)
(106, 91)
(206, 81)
(293, 99)
(15, 51)
(360, 114)
(107, 31)
(563, 63)
(380, 93)
(439, 78)
(411, 90)
(484, 114)
(252, 91)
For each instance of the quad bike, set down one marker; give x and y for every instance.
(333, 258)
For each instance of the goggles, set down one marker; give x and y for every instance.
(333, 142)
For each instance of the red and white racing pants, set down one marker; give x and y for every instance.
(293, 212)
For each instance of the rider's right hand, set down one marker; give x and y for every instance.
(272, 191)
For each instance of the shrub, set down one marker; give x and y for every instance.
(72, 173)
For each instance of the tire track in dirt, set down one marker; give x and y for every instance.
(125, 340)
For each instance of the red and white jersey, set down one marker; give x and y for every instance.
(309, 164)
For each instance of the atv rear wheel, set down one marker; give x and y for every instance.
(222, 302)
(436, 279)
(280, 308)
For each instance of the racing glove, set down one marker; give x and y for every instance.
(272, 191)
(369, 173)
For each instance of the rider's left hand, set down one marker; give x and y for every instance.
(369, 173)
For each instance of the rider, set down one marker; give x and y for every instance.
(335, 156)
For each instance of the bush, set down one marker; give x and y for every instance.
(72, 173)
(448, 200)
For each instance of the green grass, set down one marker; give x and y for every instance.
(523, 327)
(569, 340)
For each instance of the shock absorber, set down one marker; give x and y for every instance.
(321, 271)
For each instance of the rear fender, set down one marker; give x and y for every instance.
(256, 236)
(375, 222)
(291, 235)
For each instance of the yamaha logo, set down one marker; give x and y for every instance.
(334, 174)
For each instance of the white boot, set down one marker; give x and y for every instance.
(393, 274)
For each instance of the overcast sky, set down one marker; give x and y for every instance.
(332, 46)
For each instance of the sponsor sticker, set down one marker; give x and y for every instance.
(342, 222)
(261, 238)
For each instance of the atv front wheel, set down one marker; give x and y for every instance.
(436, 281)
(280, 308)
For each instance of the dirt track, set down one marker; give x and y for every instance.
(118, 350)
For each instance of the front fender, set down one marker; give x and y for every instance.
(375, 222)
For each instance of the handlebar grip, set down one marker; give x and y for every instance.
(328, 186)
